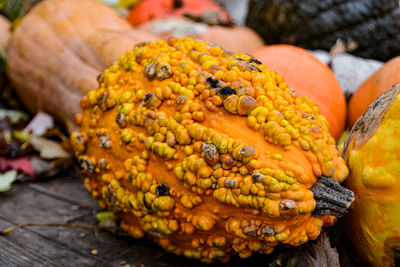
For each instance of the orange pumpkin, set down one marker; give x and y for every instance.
(208, 152)
(152, 9)
(62, 45)
(235, 39)
(308, 77)
(382, 80)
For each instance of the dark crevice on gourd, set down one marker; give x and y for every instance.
(396, 253)
(331, 198)
(372, 26)
(392, 250)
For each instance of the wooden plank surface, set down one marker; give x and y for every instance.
(64, 200)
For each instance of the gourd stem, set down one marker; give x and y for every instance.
(331, 198)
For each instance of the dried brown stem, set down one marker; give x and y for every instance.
(331, 198)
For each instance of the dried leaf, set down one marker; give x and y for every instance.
(47, 169)
(6, 180)
(20, 164)
(48, 149)
(40, 124)
(323, 253)
(9, 145)
(338, 48)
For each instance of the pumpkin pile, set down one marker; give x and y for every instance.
(213, 153)
(208, 152)
(202, 19)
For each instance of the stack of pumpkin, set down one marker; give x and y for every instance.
(212, 152)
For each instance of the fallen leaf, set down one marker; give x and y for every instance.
(47, 169)
(106, 220)
(338, 48)
(322, 254)
(48, 149)
(9, 145)
(21, 136)
(40, 124)
(6, 180)
(104, 217)
(23, 164)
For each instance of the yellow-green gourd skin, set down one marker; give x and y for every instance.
(374, 220)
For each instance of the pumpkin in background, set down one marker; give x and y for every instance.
(372, 152)
(369, 28)
(153, 9)
(4, 31)
(308, 76)
(61, 46)
(208, 152)
(235, 39)
(372, 88)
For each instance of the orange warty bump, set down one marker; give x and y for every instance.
(208, 152)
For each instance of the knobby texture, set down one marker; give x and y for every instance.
(369, 28)
(206, 151)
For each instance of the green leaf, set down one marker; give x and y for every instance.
(6, 180)
(106, 220)
(15, 116)
(14, 9)
(343, 137)
(21, 136)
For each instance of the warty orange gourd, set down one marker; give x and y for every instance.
(208, 152)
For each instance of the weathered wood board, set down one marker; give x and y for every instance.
(64, 201)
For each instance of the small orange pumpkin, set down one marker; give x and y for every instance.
(235, 39)
(382, 80)
(308, 77)
(152, 9)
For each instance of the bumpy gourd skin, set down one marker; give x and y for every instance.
(207, 151)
